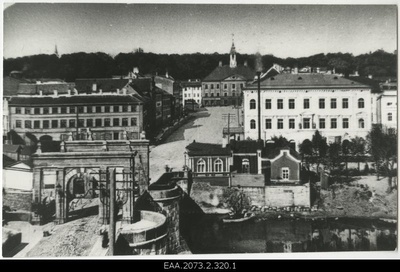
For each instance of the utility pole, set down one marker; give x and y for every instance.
(229, 120)
(111, 232)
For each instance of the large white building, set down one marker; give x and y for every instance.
(296, 105)
(387, 105)
(191, 90)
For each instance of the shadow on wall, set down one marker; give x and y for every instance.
(190, 214)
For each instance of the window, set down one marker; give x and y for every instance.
(252, 104)
(205, 86)
(54, 110)
(45, 110)
(306, 103)
(345, 103)
(268, 123)
(333, 123)
(306, 123)
(322, 123)
(280, 123)
(72, 123)
(206, 94)
(322, 103)
(106, 108)
(63, 123)
(124, 122)
(46, 123)
(107, 122)
(37, 110)
(241, 85)
(291, 104)
(225, 94)
(18, 124)
(390, 116)
(252, 124)
(233, 86)
(98, 122)
(268, 104)
(361, 103)
(217, 94)
(27, 110)
(225, 86)
(233, 94)
(89, 109)
(133, 107)
(291, 124)
(81, 123)
(81, 109)
(280, 104)
(345, 122)
(98, 109)
(285, 173)
(361, 123)
(333, 103)
(63, 109)
(54, 123)
(218, 165)
(134, 122)
(116, 108)
(72, 110)
(212, 94)
(201, 166)
(211, 86)
(245, 166)
(125, 108)
(217, 86)
(36, 124)
(28, 124)
(89, 122)
(116, 122)
(18, 110)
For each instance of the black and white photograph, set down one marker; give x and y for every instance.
(222, 129)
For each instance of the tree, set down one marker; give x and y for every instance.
(280, 141)
(319, 148)
(306, 150)
(237, 200)
(382, 145)
(334, 155)
(357, 149)
(346, 151)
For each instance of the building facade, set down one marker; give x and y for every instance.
(224, 85)
(387, 105)
(296, 105)
(191, 90)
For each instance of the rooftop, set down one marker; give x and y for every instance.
(307, 81)
(105, 84)
(223, 72)
(199, 149)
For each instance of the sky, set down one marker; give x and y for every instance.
(280, 30)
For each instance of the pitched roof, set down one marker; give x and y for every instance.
(105, 84)
(10, 85)
(307, 81)
(46, 88)
(7, 161)
(275, 152)
(73, 100)
(191, 83)
(24, 149)
(375, 88)
(200, 149)
(222, 72)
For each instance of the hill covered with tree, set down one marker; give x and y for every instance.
(97, 65)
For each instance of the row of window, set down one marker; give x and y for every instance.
(306, 103)
(233, 86)
(212, 94)
(81, 109)
(64, 123)
(194, 95)
(307, 123)
(201, 166)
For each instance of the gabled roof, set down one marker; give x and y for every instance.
(201, 149)
(222, 72)
(46, 88)
(73, 100)
(7, 161)
(274, 153)
(105, 84)
(307, 81)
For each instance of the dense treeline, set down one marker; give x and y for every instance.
(185, 66)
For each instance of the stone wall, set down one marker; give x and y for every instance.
(287, 195)
(256, 195)
(18, 200)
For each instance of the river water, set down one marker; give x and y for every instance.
(208, 234)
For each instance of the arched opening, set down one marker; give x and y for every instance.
(252, 124)
(218, 165)
(361, 103)
(252, 104)
(361, 123)
(201, 166)
(245, 166)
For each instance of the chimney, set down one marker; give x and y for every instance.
(94, 87)
(124, 91)
(75, 92)
(40, 92)
(245, 63)
(100, 91)
(69, 91)
(220, 63)
(225, 141)
(166, 74)
(295, 70)
(189, 80)
(135, 70)
(117, 91)
(370, 76)
(55, 93)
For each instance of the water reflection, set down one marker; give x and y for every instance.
(209, 235)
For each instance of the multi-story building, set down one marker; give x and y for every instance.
(191, 90)
(169, 85)
(223, 86)
(59, 112)
(296, 105)
(387, 105)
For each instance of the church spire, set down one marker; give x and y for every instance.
(56, 51)
(233, 63)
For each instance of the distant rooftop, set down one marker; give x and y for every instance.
(199, 149)
(223, 72)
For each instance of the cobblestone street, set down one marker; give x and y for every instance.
(206, 127)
